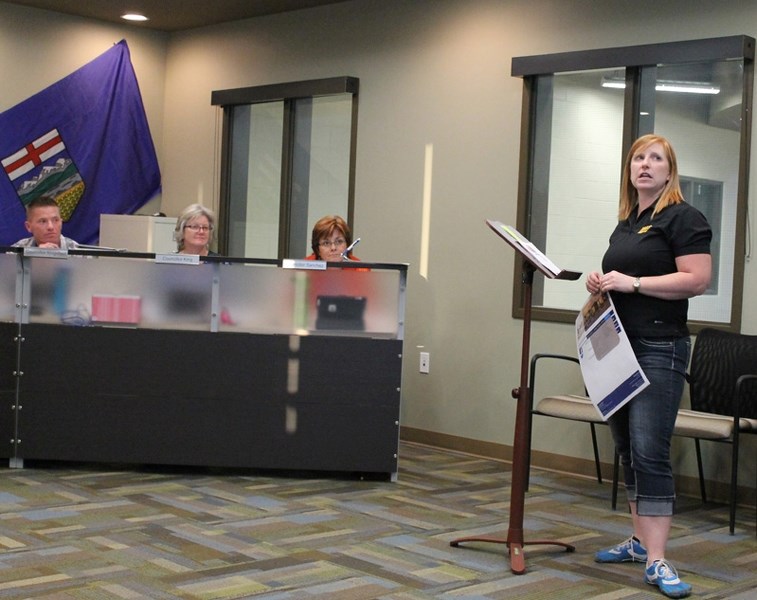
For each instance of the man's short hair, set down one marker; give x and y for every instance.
(39, 203)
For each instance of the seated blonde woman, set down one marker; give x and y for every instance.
(194, 230)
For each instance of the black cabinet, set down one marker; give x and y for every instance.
(211, 399)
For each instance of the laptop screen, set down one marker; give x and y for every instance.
(340, 312)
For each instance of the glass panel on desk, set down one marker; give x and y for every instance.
(267, 299)
(378, 290)
(8, 264)
(256, 298)
(84, 290)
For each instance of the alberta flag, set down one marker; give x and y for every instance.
(84, 141)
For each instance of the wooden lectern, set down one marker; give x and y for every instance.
(533, 260)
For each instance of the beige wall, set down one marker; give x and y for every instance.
(433, 74)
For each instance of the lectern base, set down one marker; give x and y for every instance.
(517, 558)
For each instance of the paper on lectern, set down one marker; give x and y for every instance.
(527, 248)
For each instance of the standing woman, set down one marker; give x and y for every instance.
(194, 230)
(658, 257)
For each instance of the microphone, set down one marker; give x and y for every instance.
(348, 249)
(94, 247)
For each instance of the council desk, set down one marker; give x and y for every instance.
(136, 358)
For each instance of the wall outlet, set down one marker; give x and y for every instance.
(425, 360)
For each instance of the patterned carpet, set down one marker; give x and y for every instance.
(86, 532)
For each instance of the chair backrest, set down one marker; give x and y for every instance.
(718, 360)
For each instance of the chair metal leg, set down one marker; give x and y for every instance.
(734, 481)
(596, 452)
(615, 475)
(702, 490)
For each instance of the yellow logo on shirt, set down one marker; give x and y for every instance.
(644, 229)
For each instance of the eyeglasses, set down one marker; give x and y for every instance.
(335, 243)
(202, 228)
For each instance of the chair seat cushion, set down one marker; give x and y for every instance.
(689, 423)
(569, 406)
(692, 423)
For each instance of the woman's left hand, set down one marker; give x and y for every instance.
(616, 282)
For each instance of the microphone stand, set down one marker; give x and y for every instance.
(348, 249)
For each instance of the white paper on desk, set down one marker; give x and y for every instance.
(611, 373)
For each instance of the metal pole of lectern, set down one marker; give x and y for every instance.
(515, 539)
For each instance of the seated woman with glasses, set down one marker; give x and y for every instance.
(331, 237)
(194, 230)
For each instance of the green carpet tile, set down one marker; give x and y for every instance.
(70, 531)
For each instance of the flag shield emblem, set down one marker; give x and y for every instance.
(44, 168)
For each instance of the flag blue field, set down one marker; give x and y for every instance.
(86, 142)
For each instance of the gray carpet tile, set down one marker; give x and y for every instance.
(72, 531)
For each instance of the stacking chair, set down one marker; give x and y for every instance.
(572, 407)
(723, 390)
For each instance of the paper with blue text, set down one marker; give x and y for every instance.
(611, 373)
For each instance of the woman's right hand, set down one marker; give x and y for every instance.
(592, 282)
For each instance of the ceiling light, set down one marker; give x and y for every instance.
(134, 17)
(685, 87)
(613, 83)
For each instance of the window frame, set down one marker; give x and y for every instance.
(288, 93)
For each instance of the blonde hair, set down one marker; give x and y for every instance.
(671, 193)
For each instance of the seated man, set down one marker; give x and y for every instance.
(43, 221)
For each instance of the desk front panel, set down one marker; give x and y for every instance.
(8, 368)
(212, 399)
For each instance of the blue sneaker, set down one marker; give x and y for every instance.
(630, 550)
(665, 577)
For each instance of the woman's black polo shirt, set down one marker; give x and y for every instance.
(644, 247)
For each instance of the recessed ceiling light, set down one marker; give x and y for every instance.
(134, 17)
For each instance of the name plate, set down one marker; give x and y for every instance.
(178, 259)
(45, 252)
(312, 265)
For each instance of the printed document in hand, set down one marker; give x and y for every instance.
(611, 373)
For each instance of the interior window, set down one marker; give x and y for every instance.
(287, 160)
(583, 111)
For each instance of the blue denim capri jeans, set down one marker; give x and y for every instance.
(643, 428)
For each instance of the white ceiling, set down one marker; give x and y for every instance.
(173, 15)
